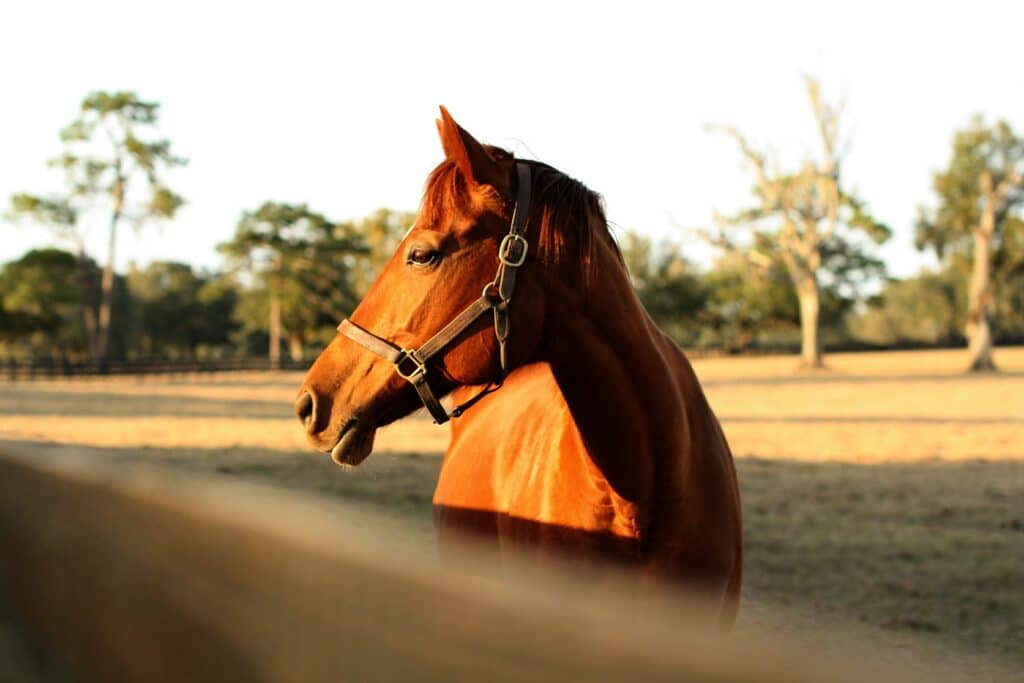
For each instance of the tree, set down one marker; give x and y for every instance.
(801, 218)
(61, 217)
(669, 287)
(919, 311)
(112, 158)
(1008, 286)
(178, 310)
(381, 233)
(40, 303)
(302, 262)
(745, 304)
(218, 300)
(980, 194)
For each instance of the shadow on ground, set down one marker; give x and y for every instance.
(827, 377)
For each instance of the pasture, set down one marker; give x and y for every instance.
(886, 492)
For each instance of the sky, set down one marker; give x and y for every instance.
(333, 104)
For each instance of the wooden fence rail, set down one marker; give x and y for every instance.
(141, 576)
(53, 369)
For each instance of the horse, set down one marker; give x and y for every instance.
(581, 429)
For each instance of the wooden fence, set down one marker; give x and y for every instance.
(140, 575)
(50, 368)
(54, 369)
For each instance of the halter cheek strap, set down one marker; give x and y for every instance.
(411, 364)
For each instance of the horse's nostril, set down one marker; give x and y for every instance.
(305, 407)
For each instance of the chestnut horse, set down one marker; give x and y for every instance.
(582, 428)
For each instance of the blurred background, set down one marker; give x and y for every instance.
(287, 122)
(823, 203)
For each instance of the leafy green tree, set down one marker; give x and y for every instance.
(60, 216)
(746, 304)
(114, 159)
(40, 303)
(178, 310)
(250, 318)
(757, 306)
(218, 300)
(918, 311)
(57, 213)
(669, 286)
(303, 263)
(798, 217)
(979, 216)
(381, 233)
(1007, 306)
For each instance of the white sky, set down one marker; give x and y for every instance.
(334, 103)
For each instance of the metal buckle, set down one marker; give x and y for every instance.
(505, 250)
(417, 373)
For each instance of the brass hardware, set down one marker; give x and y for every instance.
(420, 370)
(506, 247)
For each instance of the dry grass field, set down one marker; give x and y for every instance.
(887, 491)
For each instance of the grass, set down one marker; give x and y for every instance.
(886, 491)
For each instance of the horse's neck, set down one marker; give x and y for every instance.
(621, 383)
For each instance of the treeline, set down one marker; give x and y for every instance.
(797, 267)
(736, 308)
(170, 311)
(293, 275)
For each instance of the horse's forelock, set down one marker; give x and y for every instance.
(446, 193)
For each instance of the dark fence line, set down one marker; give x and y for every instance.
(51, 369)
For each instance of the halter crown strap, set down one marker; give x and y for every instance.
(411, 364)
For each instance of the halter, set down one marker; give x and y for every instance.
(411, 364)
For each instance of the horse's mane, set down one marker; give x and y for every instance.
(570, 215)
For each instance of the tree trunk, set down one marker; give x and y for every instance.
(979, 333)
(107, 284)
(87, 286)
(295, 346)
(810, 332)
(275, 330)
(106, 294)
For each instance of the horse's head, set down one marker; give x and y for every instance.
(440, 268)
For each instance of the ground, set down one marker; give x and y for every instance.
(886, 491)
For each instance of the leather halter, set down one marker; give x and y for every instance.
(411, 364)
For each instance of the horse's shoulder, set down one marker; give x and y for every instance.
(504, 436)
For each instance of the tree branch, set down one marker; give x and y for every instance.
(827, 120)
(1012, 181)
(756, 159)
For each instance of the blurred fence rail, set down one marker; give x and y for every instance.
(141, 576)
(54, 369)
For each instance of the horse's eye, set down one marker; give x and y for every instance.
(422, 256)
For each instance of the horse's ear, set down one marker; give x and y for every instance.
(474, 161)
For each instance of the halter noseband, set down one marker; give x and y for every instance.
(411, 364)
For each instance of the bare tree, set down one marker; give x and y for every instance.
(797, 216)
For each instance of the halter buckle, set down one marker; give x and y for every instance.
(507, 246)
(419, 370)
